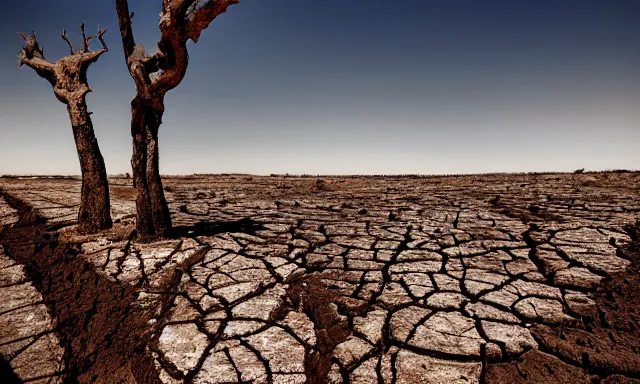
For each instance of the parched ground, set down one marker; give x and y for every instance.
(493, 278)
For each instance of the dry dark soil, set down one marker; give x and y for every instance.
(469, 279)
(604, 344)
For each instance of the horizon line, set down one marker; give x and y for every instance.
(307, 175)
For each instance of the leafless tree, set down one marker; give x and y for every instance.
(154, 75)
(68, 76)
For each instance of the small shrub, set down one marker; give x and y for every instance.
(320, 185)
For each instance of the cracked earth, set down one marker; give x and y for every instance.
(493, 278)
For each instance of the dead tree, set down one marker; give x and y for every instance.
(68, 76)
(154, 75)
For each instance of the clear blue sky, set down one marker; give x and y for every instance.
(343, 87)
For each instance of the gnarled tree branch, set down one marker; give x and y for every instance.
(205, 15)
(177, 9)
(85, 55)
(67, 75)
(84, 39)
(65, 38)
(97, 35)
(90, 57)
(124, 21)
(155, 75)
(33, 56)
(180, 20)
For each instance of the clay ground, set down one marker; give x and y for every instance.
(492, 278)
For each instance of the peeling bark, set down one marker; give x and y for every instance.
(160, 210)
(68, 76)
(94, 214)
(154, 76)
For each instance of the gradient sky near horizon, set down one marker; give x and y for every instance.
(348, 87)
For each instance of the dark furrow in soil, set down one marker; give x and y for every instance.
(604, 347)
(309, 295)
(7, 374)
(103, 332)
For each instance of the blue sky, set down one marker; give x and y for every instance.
(348, 87)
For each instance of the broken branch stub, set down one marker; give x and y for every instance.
(31, 47)
(33, 56)
(202, 17)
(98, 35)
(65, 38)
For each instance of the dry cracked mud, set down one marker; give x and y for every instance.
(491, 278)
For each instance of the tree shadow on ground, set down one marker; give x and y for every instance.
(212, 228)
(7, 374)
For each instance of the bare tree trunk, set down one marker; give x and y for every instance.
(154, 76)
(144, 216)
(68, 76)
(159, 207)
(95, 210)
(153, 216)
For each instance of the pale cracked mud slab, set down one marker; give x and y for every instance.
(376, 280)
(8, 215)
(57, 198)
